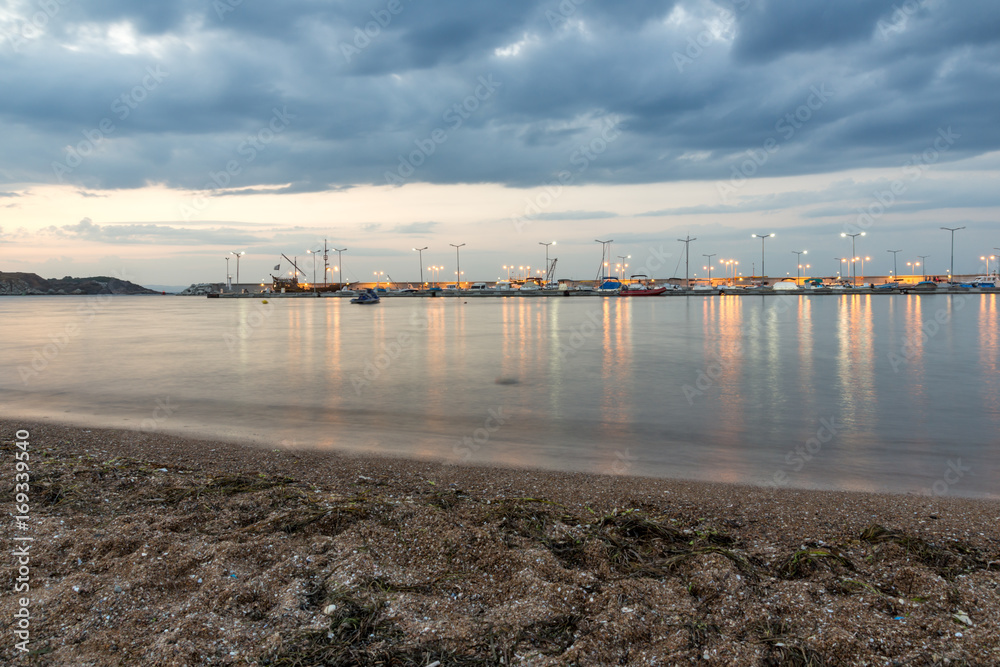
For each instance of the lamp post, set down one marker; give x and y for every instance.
(605, 257)
(238, 255)
(840, 265)
(687, 259)
(378, 278)
(340, 263)
(546, 255)
(458, 264)
(798, 260)
(420, 255)
(229, 283)
(923, 258)
(853, 252)
(987, 258)
(762, 237)
(952, 230)
(313, 253)
(913, 268)
(863, 260)
(709, 266)
(623, 265)
(894, 272)
(998, 271)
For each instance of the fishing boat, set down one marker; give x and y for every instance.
(366, 298)
(637, 286)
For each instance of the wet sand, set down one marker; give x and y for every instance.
(159, 550)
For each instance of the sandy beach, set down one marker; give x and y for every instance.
(150, 549)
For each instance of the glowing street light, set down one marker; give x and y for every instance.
(378, 278)
(623, 265)
(238, 255)
(313, 253)
(853, 251)
(458, 264)
(340, 263)
(546, 254)
(987, 258)
(923, 258)
(420, 255)
(894, 271)
(798, 260)
(709, 266)
(762, 237)
(951, 272)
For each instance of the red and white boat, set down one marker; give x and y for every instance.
(638, 287)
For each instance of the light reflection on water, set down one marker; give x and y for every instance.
(729, 389)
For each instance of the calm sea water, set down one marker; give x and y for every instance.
(867, 392)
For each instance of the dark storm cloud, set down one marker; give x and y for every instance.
(185, 94)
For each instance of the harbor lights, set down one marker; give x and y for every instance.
(238, 255)
(340, 263)
(987, 258)
(895, 273)
(458, 265)
(546, 254)
(762, 237)
(709, 266)
(420, 261)
(951, 271)
(313, 253)
(623, 265)
(863, 260)
(923, 258)
(602, 270)
(840, 265)
(798, 260)
(378, 278)
(913, 267)
(853, 252)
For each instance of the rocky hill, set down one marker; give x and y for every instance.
(31, 283)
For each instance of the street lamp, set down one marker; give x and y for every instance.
(798, 260)
(894, 272)
(229, 283)
(840, 265)
(987, 258)
(340, 263)
(623, 265)
(853, 252)
(378, 278)
(923, 258)
(313, 253)
(863, 260)
(913, 267)
(709, 266)
(951, 272)
(605, 257)
(420, 255)
(546, 255)
(458, 264)
(238, 255)
(762, 237)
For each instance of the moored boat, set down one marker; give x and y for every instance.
(366, 298)
(638, 287)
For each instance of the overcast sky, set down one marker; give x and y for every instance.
(151, 139)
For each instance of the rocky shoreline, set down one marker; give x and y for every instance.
(31, 284)
(157, 550)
